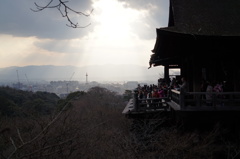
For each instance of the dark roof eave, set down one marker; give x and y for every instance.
(169, 44)
(176, 31)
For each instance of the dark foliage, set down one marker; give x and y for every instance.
(90, 125)
(15, 102)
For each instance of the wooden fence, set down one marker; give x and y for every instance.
(193, 99)
(147, 104)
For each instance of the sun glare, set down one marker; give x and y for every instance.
(114, 19)
(112, 40)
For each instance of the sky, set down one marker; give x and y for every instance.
(119, 32)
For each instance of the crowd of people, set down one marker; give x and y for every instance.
(151, 91)
(164, 87)
(217, 87)
(208, 86)
(161, 89)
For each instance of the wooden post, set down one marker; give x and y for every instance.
(181, 100)
(166, 72)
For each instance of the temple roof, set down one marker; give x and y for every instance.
(198, 28)
(205, 17)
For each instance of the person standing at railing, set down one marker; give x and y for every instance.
(149, 94)
(176, 86)
(172, 83)
(155, 93)
(161, 92)
(184, 86)
(154, 96)
(183, 89)
(218, 87)
(209, 90)
(140, 94)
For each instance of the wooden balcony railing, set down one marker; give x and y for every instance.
(182, 101)
(227, 100)
(149, 103)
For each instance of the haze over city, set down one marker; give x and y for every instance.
(121, 33)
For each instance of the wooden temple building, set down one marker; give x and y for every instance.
(201, 40)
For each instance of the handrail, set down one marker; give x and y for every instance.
(184, 99)
(149, 103)
(217, 93)
(149, 99)
(206, 98)
(175, 91)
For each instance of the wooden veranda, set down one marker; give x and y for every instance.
(200, 40)
(177, 101)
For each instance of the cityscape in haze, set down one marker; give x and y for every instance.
(63, 80)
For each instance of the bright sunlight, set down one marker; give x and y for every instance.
(114, 19)
(114, 25)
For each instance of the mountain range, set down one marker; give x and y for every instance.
(91, 73)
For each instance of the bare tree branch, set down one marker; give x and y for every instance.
(64, 10)
(66, 141)
(39, 134)
(13, 143)
(20, 137)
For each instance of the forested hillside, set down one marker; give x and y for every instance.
(90, 125)
(16, 102)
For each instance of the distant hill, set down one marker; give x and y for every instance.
(95, 73)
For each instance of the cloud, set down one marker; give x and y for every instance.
(156, 16)
(143, 4)
(122, 33)
(60, 46)
(17, 19)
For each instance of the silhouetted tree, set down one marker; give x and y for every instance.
(64, 9)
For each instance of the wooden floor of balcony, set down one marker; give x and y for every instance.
(130, 108)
